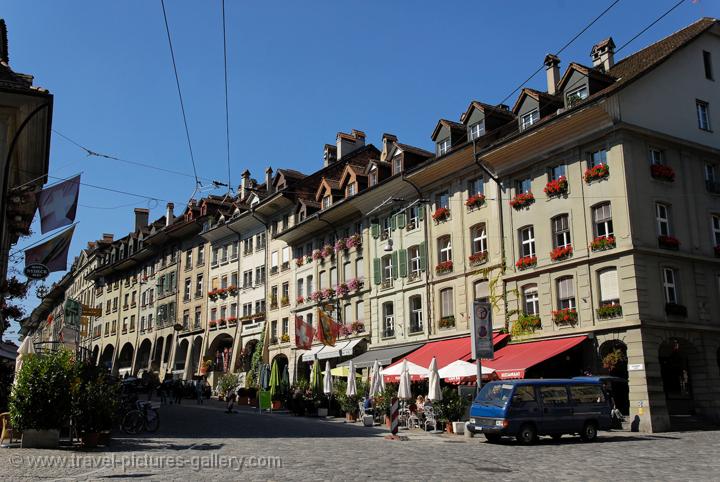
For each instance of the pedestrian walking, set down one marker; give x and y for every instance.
(199, 391)
(231, 400)
(177, 390)
(162, 393)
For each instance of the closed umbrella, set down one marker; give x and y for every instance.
(404, 388)
(352, 384)
(417, 373)
(315, 377)
(285, 381)
(26, 348)
(375, 380)
(460, 371)
(327, 381)
(382, 379)
(434, 392)
(274, 379)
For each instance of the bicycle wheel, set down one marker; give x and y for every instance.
(152, 420)
(132, 422)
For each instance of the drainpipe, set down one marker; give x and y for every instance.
(428, 291)
(501, 190)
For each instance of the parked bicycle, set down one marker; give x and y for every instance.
(144, 418)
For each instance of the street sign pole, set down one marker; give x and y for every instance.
(481, 338)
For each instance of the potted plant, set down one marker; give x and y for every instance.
(41, 402)
(285, 338)
(475, 201)
(299, 261)
(522, 200)
(614, 359)
(327, 251)
(556, 187)
(206, 366)
(227, 383)
(441, 214)
(340, 245)
(444, 267)
(600, 171)
(451, 409)
(609, 311)
(342, 290)
(95, 410)
(526, 324)
(354, 241)
(382, 402)
(526, 262)
(561, 252)
(565, 316)
(601, 243)
(662, 172)
(477, 258)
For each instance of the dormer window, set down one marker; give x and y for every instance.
(529, 119)
(352, 189)
(373, 177)
(576, 96)
(443, 146)
(326, 201)
(397, 164)
(476, 130)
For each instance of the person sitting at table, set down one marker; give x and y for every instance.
(368, 405)
(420, 403)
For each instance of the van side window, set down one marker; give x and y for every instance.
(586, 394)
(554, 395)
(524, 395)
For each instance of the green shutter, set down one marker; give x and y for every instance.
(393, 224)
(375, 228)
(401, 220)
(377, 271)
(422, 256)
(395, 264)
(421, 211)
(166, 283)
(403, 262)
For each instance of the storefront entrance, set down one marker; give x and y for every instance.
(676, 376)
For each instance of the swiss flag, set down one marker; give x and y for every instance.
(304, 334)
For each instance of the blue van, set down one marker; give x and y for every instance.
(526, 409)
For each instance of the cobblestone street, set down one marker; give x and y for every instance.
(196, 440)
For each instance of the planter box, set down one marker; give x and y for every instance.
(368, 421)
(458, 427)
(40, 439)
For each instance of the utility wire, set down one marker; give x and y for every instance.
(227, 110)
(182, 104)
(615, 2)
(650, 26)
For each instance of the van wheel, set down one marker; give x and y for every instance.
(527, 434)
(589, 432)
(493, 438)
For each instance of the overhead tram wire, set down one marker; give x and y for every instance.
(567, 44)
(182, 104)
(652, 24)
(227, 109)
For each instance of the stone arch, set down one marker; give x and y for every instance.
(195, 354)
(126, 357)
(181, 354)
(680, 362)
(142, 357)
(220, 352)
(95, 354)
(106, 359)
(614, 362)
(283, 365)
(244, 361)
(168, 348)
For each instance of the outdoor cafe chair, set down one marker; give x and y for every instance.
(430, 417)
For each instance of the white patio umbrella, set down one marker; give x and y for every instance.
(327, 380)
(459, 369)
(26, 347)
(404, 388)
(375, 380)
(382, 379)
(352, 384)
(416, 371)
(434, 392)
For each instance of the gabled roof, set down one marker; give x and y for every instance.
(453, 126)
(351, 169)
(486, 108)
(414, 150)
(326, 185)
(542, 97)
(591, 72)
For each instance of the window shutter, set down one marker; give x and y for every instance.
(423, 261)
(609, 285)
(377, 271)
(393, 224)
(402, 262)
(421, 211)
(395, 264)
(375, 228)
(166, 283)
(401, 220)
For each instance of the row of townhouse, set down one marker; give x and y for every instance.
(588, 215)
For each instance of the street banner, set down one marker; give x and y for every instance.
(52, 253)
(481, 336)
(327, 330)
(58, 204)
(304, 334)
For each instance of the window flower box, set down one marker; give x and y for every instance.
(475, 201)
(222, 322)
(526, 324)
(354, 284)
(285, 338)
(299, 261)
(342, 290)
(232, 290)
(441, 214)
(300, 300)
(340, 245)
(556, 187)
(595, 173)
(222, 292)
(316, 296)
(675, 309)
(565, 316)
(561, 252)
(213, 295)
(212, 323)
(357, 326)
(284, 301)
(526, 262)
(444, 267)
(273, 340)
(317, 255)
(522, 200)
(354, 241)
(447, 322)
(609, 311)
(602, 243)
(232, 320)
(273, 303)
(327, 251)
(328, 293)
(478, 258)
(668, 242)
(662, 172)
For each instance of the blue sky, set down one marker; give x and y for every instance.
(299, 72)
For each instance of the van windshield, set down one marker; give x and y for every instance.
(495, 393)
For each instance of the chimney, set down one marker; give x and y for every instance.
(504, 107)
(268, 179)
(4, 53)
(347, 143)
(603, 54)
(244, 184)
(329, 155)
(169, 215)
(108, 237)
(142, 217)
(387, 141)
(552, 67)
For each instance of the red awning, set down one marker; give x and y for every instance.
(445, 351)
(513, 360)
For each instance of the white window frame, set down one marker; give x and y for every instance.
(703, 114)
(561, 231)
(414, 260)
(476, 130)
(446, 303)
(388, 319)
(568, 300)
(444, 250)
(715, 227)
(527, 238)
(657, 156)
(670, 288)
(326, 201)
(387, 268)
(529, 119)
(662, 219)
(416, 314)
(443, 146)
(478, 236)
(581, 93)
(531, 300)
